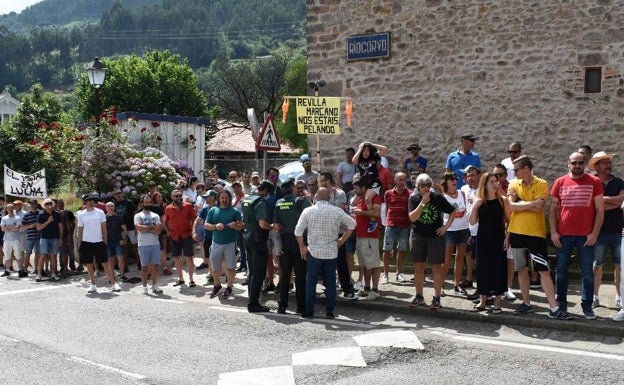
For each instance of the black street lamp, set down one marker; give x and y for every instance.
(96, 74)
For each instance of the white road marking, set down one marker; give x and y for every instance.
(34, 289)
(532, 347)
(166, 300)
(9, 339)
(396, 339)
(107, 368)
(351, 356)
(282, 375)
(227, 308)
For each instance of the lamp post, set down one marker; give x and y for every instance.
(315, 86)
(96, 74)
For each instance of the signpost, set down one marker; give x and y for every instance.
(373, 46)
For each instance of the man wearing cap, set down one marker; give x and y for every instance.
(610, 236)
(307, 167)
(255, 182)
(575, 217)
(20, 211)
(414, 163)
(178, 219)
(345, 171)
(257, 226)
(457, 161)
(514, 152)
(92, 237)
(50, 224)
(11, 225)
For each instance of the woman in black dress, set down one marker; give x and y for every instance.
(491, 210)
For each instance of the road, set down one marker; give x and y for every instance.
(57, 333)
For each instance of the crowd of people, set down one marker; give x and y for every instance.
(493, 223)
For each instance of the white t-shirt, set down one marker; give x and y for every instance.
(91, 223)
(461, 221)
(508, 163)
(147, 219)
(471, 195)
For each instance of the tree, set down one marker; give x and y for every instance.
(40, 137)
(296, 85)
(160, 83)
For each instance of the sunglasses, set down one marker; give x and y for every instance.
(513, 152)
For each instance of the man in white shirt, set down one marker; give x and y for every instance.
(148, 228)
(92, 238)
(514, 152)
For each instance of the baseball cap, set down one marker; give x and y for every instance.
(469, 136)
(255, 174)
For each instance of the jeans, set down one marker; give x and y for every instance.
(241, 247)
(291, 259)
(328, 266)
(586, 261)
(257, 257)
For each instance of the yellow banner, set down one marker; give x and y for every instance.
(318, 115)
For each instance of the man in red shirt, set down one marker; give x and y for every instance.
(576, 215)
(178, 220)
(397, 225)
(367, 243)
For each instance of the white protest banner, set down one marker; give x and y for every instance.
(24, 185)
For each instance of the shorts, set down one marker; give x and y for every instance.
(457, 237)
(14, 246)
(149, 255)
(132, 237)
(529, 251)
(425, 249)
(114, 249)
(611, 241)
(220, 253)
(182, 245)
(367, 250)
(274, 243)
(350, 244)
(400, 235)
(89, 250)
(49, 245)
(32, 244)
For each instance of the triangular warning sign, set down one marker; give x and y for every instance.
(267, 138)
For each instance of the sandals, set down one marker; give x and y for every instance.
(477, 309)
(178, 283)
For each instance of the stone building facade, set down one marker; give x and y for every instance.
(545, 73)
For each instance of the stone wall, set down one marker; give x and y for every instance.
(504, 70)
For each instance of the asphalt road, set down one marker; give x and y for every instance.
(57, 333)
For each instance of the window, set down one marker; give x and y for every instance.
(593, 80)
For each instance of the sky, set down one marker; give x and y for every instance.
(8, 6)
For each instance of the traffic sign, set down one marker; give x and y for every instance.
(267, 138)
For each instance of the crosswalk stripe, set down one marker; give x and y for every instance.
(351, 356)
(282, 375)
(396, 339)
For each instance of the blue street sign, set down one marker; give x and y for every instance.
(368, 46)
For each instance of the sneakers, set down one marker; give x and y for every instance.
(509, 295)
(384, 278)
(227, 293)
(156, 289)
(458, 290)
(362, 293)
(22, 274)
(619, 316)
(372, 225)
(6, 273)
(523, 309)
(215, 291)
(373, 295)
(144, 290)
(123, 278)
(116, 287)
(400, 278)
(596, 302)
(618, 301)
(357, 285)
(560, 315)
(465, 284)
(435, 303)
(350, 295)
(92, 289)
(589, 314)
(56, 278)
(417, 301)
(257, 308)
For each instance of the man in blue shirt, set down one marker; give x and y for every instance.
(463, 157)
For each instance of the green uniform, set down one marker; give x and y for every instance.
(287, 212)
(254, 209)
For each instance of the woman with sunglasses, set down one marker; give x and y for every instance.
(456, 237)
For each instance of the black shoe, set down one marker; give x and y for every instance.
(22, 274)
(330, 316)
(6, 272)
(281, 310)
(473, 296)
(202, 266)
(306, 316)
(178, 283)
(268, 288)
(241, 269)
(299, 310)
(257, 308)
